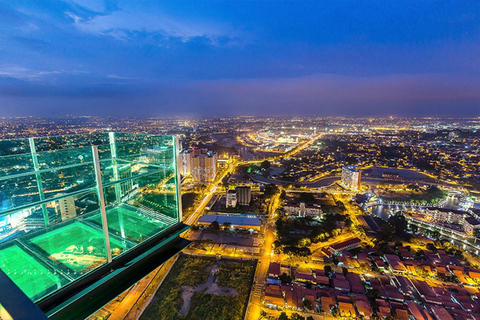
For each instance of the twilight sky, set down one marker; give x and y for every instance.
(203, 58)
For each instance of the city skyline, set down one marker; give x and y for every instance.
(222, 58)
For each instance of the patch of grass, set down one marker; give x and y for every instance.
(187, 270)
(237, 275)
(206, 306)
(192, 271)
(233, 274)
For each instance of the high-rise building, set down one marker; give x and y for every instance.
(244, 195)
(67, 209)
(351, 177)
(185, 163)
(231, 201)
(204, 165)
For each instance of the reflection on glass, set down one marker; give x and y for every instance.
(51, 229)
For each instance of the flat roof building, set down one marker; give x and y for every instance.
(236, 221)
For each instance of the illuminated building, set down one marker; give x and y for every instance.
(471, 226)
(444, 215)
(351, 177)
(231, 201)
(185, 162)
(204, 165)
(302, 209)
(251, 223)
(244, 195)
(85, 208)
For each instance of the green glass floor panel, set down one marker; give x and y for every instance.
(129, 224)
(31, 276)
(78, 247)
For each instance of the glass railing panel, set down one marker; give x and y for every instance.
(44, 258)
(54, 225)
(156, 193)
(140, 208)
(48, 160)
(19, 191)
(157, 151)
(14, 146)
(66, 180)
(70, 141)
(71, 245)
(32, 275)
(15, 164)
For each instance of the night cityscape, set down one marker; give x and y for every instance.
(239, 160)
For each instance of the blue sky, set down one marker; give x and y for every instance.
(204, 58)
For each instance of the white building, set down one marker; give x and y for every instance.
(351, 177)
(231, 199)
(446, 215)
(302, 209)
(185, 162)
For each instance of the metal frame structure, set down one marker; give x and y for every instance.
(161, 162)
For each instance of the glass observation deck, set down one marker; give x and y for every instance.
(71, 204)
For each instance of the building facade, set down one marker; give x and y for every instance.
(445, 215)
(302, 209)
(204, 165)
(244, 195)
(351, 177)
(185, 162)
(67, 208)
(231, 199)
(471, 226)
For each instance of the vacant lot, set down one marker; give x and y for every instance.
(223, 296)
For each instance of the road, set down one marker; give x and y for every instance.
(132, 303)
(260, 279)
(196, 214)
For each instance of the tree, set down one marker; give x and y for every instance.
(348, 222)
(214, 225)
(345, 271)
(283, 316)
(270, 190)
(421, 271)
(283, 195)
(399, 223)
(307, 304)
(285, 278)
(431, 247)
(327, 269)
(387, 231)
(296, 316)
(227, 225)
(265, 164)
(414, 228)
(435, 235)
